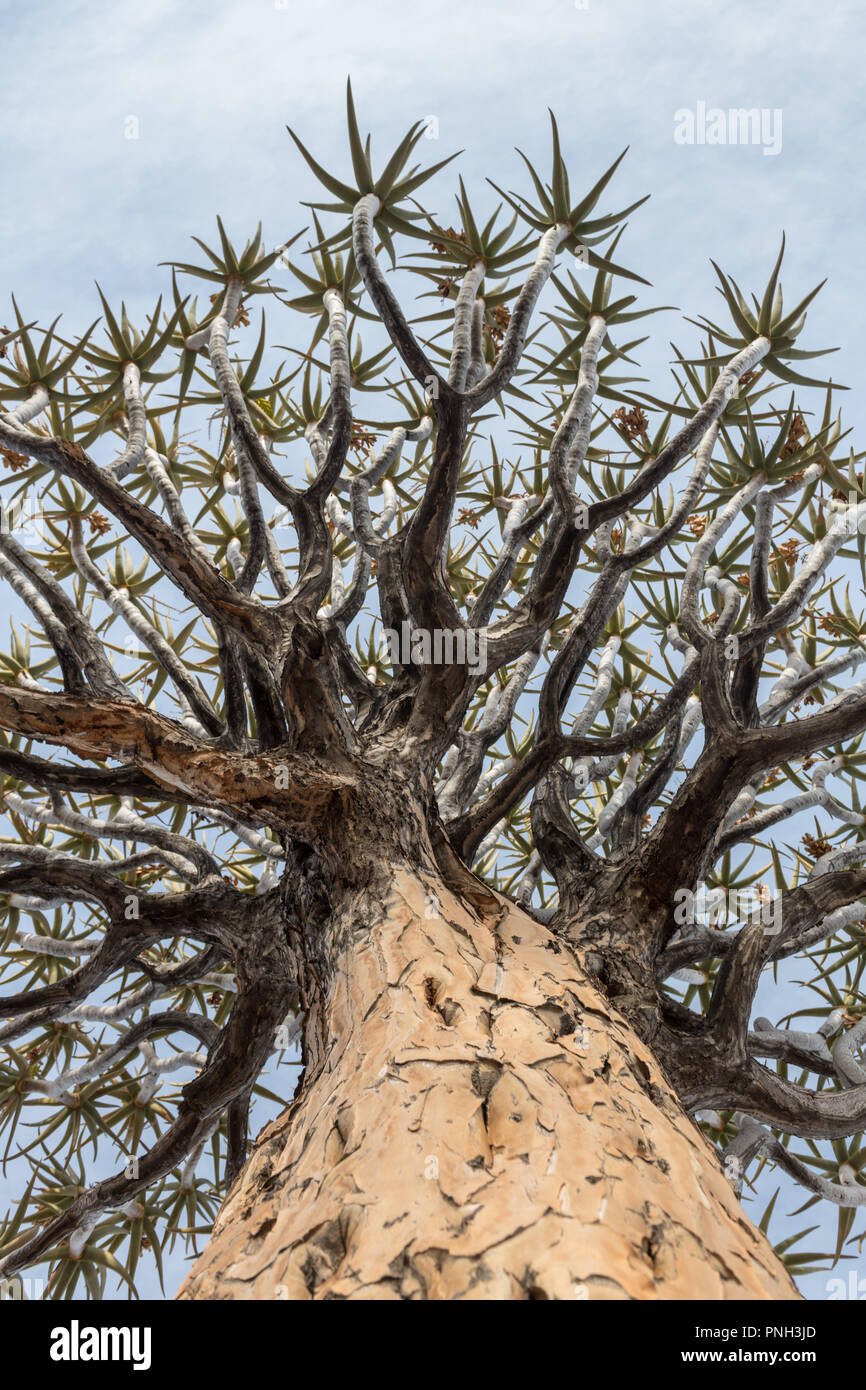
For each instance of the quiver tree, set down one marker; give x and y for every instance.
(405, 699)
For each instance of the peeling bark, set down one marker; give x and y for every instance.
(476, 1121)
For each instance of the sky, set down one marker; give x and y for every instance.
(126, 128)
(129, 127)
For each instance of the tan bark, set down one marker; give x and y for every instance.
(265, 787)
(481, 1125)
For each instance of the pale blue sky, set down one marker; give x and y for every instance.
(212, 84)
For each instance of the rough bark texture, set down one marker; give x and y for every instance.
(476, 1122)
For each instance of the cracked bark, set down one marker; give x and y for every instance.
(476, 1121)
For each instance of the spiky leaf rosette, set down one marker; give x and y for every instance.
(661, 588)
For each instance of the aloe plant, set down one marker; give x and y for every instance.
(387, 681)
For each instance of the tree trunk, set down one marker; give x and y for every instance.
(475, 1121)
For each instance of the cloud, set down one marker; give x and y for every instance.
(211, 87)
